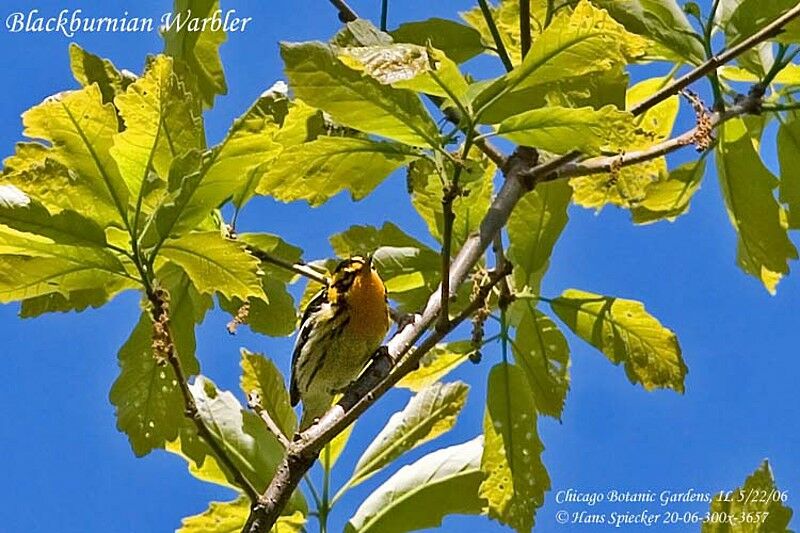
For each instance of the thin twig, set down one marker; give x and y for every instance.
(498, 40)
(548, 16)
(770, 30)
(384, 14)
(160, 313)
(297, 268)
(254, 403)
(524, 26)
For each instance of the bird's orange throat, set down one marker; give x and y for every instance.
(367, 301)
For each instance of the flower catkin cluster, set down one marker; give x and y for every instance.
(163, 347)
(479, 318)
(703, 136)
(241, 318)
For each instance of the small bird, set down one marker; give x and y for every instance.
(342, 326)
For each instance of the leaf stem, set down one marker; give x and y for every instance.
(384, 14)
(312, 490)
(501, 47)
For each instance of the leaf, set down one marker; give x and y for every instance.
(751, 16)
(789, 158)
(76, 300)
(255, 452)
(659, 119)
(333, 450)
(457, 41)
(588, 41)
(260, 374)
(429, 413)
(758, 504)
(159, 125)
(541, 351)
(764, 247)
(626, 333)
(318, 170)
(321, 80)
(421, 494)
(408, 66)
(146, 397)
(533, 230)
(80, 128)
(561, 129)
(230, 517)
(516, 479)
(88, 68)
(669, 198)
(275, 247)
(409, 268)
(20, 212)
(198, 47)
(425, 184)
(662, 21)
(436, 364)
(216, 264)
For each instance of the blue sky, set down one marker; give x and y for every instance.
(66, 468)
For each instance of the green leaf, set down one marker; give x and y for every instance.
(758, 503)
(669, 198)
(146, 396)
(789, 158)
(516, 479)
(230, 517)
(764, 247)
(243, 435)
(421, 494)
(659, 119)
(425, 184)
(275, 247)
(457, 41)
(751, 16)
(626, 333)
(216, 264)
(533, 230)
(75, 300)
(541, 351)
(429, 413)
(198, 47)
(333, 450)
(409, 268)
(561, 129)
(80, 128)
(260, 374)
(321, 80)
(159, 125)
(20, 212)
(436, 364)
(662, 21)
(318, 170)
(88, 68)
(588, 41)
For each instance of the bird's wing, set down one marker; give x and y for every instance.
(306, 325)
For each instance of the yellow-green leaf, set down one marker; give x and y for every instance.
(669, 198)
(516, 479)
(789, 158)
(457, 41)
(541, 350)
(321, 80)
(533, 230)
(764, 248)
(626, 333)
(436, 364)
(88, 68)
(318, 170)
(758, 505)
(429, 413)
(260, 375)
(216, 264)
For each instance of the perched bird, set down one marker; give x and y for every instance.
(341, 328)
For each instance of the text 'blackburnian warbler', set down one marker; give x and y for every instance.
(342, 327)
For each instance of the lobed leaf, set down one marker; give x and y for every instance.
(260, 374)
(436, 364)
(88, 68)
(457, 41)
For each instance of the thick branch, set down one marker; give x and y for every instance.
(768, 31)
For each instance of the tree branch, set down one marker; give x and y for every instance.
(498, 40)
(297, 268)
(770, 30)
(165, 348)
(254, 403)
(524, 26)
(346, 14)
